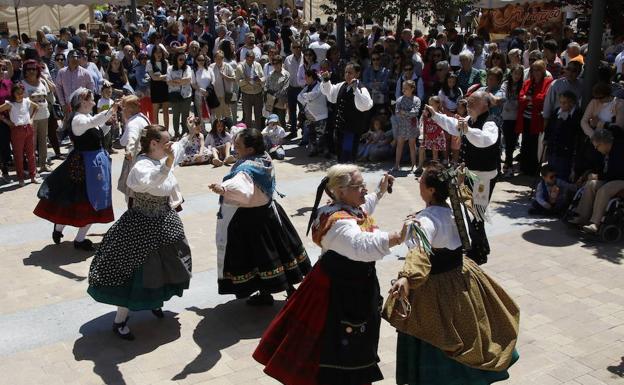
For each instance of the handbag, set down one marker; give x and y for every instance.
(211, 97)
(269, 102)
(228, 94)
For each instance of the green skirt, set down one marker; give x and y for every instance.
(134, 295)
(419, 363)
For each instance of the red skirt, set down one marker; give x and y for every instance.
(77, 214)
(290, 348)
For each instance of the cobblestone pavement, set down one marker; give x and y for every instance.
(570, 291)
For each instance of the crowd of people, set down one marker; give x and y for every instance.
(452, 104)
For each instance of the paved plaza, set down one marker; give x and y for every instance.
(570, 291)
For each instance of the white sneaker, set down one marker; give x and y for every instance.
(591, 228)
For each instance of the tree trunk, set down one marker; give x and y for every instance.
(340, 27)
(403, 8)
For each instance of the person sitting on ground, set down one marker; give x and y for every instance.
(220, 141)
(606, 183)
(195, 151)
(273, 135)
(372, 139)
(552, 194)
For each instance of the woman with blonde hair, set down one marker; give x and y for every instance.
(529, 119)
(328, 331)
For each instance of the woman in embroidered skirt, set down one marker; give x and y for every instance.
(144, 258)
(258, 248)
(462, 328)
(78, 192)
(328, 331)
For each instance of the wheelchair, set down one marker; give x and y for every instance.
(611, 228)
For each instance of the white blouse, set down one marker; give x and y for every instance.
(153, 177)
(438, 224)
(347, 238)
(241, 191)
(84, 122)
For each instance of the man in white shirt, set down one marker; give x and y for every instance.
(352, 101)
(320, 47)
(291, 64)
(250, 45)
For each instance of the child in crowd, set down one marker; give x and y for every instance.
(142, 89)
(462, 112)
(195, 151)
(372, 139)
(21, 113)
(450, 94)
(434, 138)
(273, 135)
(405, 122)
(219, 141)
(105, 103)
(564, 127)
(552, 195)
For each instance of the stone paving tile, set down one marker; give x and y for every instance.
(570, 293)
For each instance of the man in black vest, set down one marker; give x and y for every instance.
(480, 153)
(352, 104)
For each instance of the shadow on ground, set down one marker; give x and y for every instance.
(224, 326)
(298, 156)
(107, 351)
(618, 370)
(53, 257)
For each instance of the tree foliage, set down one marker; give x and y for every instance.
(430, 11)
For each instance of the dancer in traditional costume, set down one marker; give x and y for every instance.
(135, 122)
(480, 152)
(258, 248)
(144, 258)
(328, 332)
(456, 325)
(78, 192)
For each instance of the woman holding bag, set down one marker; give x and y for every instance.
(223, 78)
(456, 325)
(179, 80)
(201, 81)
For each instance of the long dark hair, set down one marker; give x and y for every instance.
(226, 47)
(513, 89)
(163, 61)
(213, 131)
(454, 93)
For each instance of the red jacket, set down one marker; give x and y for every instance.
(539, 93)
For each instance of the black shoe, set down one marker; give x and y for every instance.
(291, 135)
(56, 236)
(158, 313)
(260, 300)
(116, 326)
(85, 245)
(418, 172)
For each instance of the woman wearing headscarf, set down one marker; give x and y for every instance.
(258, 248)
(328, 332)
(78, 193)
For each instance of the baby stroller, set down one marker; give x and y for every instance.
(611, 227)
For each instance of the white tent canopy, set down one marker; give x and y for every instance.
(33, 14)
